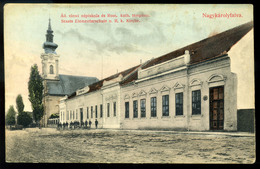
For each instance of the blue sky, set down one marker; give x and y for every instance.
(83, 46)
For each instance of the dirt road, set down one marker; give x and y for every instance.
(119, 146)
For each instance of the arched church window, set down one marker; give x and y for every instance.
(51, 69)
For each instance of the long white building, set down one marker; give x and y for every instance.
(191, 88)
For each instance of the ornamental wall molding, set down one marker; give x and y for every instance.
(153, 91)
(216, 78)
(178, 86)
(196, 82)
(127, 97)
(142, 93)
(111, 97)
(165, 88)
(134, 95)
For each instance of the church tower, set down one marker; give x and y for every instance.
(50, 59)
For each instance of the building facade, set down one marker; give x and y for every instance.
(191, 88)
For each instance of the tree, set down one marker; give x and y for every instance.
(24, 119)
(19, 104)
(10, 117)
(35, 88)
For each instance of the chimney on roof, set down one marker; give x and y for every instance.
(187, 57)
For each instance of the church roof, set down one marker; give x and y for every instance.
(68, 84)
(209, 48)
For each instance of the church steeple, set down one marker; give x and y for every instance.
(49, 28)
(49, 46)
(50, 59)
(49, 35)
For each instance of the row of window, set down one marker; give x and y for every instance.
(72, 115)
(108, 109)
(196, 105)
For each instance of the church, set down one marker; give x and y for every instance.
(191, 88)
(56, 85)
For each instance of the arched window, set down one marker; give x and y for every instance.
(51, 69)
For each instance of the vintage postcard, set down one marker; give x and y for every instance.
(129, 83)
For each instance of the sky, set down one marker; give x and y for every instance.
(102, 49)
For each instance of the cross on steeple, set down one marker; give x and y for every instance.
(49, 27)
(49, 35)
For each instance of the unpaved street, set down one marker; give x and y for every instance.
(119, 146)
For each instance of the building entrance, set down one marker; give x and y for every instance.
(81, 116)
(217, 108)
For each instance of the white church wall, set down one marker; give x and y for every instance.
(49, 60)
(51, 106)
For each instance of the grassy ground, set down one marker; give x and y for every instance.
(119, 146)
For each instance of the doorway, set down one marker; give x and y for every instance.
(216, 108)
(81, 116)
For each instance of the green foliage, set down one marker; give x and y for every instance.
(24, 119)
(10, 117)
(54, 116)
(19, 104)
(35, 88)
(38, 112)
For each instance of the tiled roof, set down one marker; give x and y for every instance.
(97, 85)
(206, 49)
(68, 84)
(203, 50)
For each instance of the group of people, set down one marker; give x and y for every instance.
(89, 123)
(77, 124)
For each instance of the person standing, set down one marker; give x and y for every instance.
(89, 123)
(96, 123)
